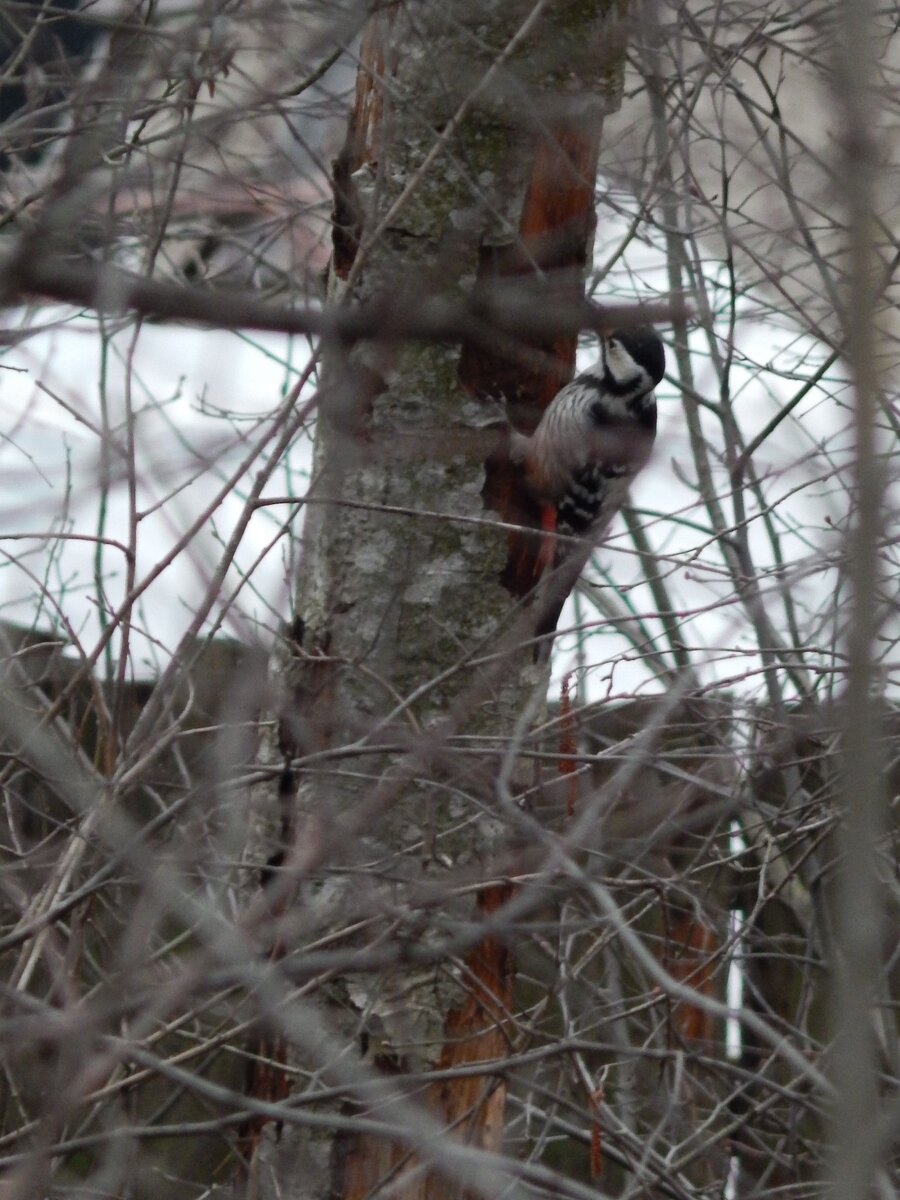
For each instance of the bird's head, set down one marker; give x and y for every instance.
(633, 359)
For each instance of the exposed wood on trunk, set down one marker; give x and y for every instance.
(267, 1081)
(556, 227)
(360, 149)
(471, 1105)
(690, 957)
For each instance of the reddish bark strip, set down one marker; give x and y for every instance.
(690, 958)
(266, 1080)
(470, 1106)
(556, 228)
(362, 1163)
(369, 106)
(361, 146)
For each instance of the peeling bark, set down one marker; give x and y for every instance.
(471, 1106)
(556, 236)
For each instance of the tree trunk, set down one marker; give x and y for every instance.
(469, 162)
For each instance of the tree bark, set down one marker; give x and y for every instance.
(469, 161)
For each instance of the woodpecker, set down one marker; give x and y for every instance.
(594, 437)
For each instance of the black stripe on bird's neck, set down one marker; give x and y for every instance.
(619, 387)
(608, 383)
(643, 410)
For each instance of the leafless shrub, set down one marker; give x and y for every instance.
(305, 890)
